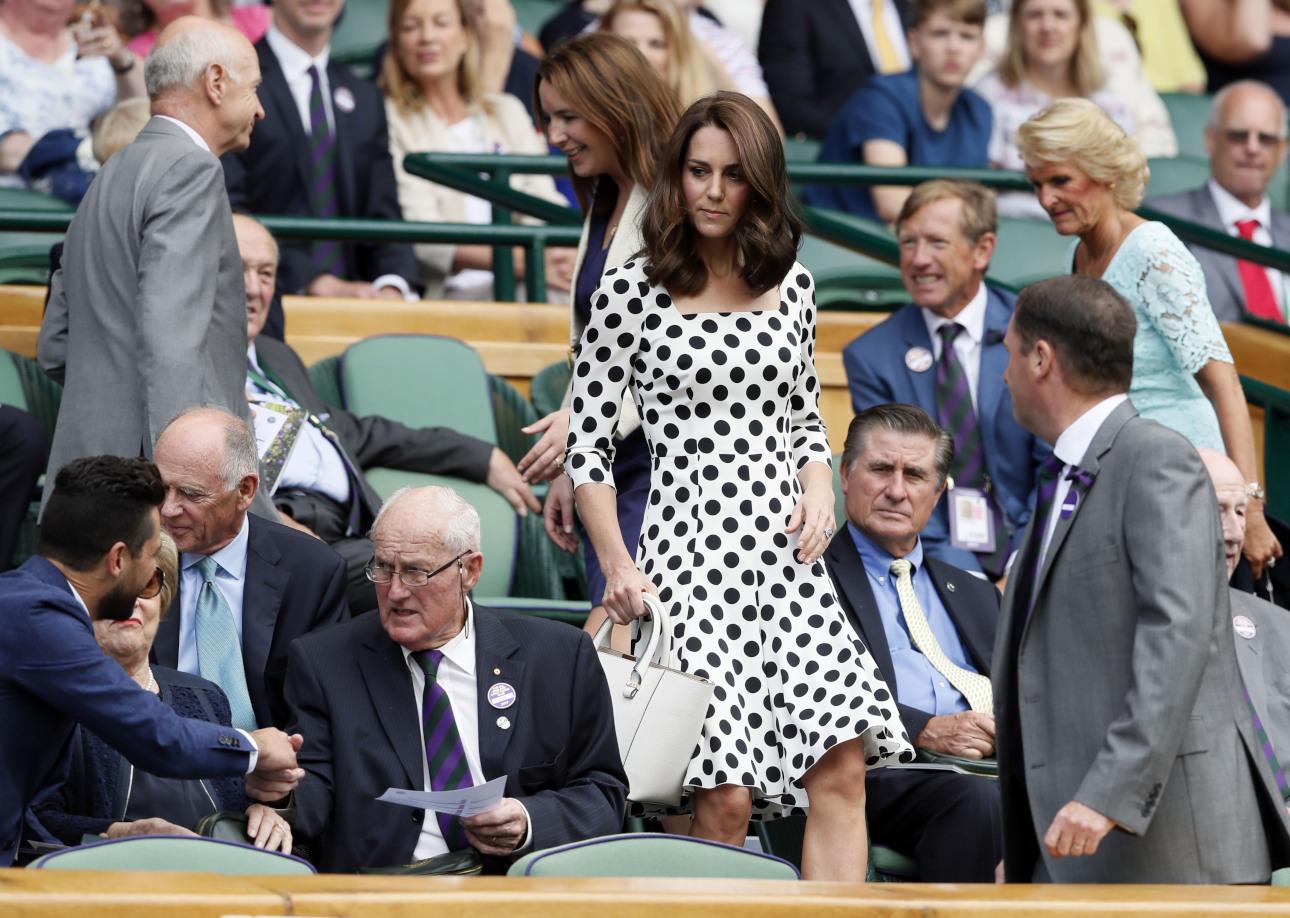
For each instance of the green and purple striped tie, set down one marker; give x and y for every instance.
(326, 257)
(445, 755)
(1265, 744)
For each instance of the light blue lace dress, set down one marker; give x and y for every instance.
(1177, 331)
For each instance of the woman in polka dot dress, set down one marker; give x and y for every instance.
(713, 328)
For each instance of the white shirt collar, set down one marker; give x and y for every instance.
(1075, 440)
(77, 596)
(1230, 209)
(294, 60)
(231, 558)
(460, 650)
(196, 138)
(252, 356)
(971, 317)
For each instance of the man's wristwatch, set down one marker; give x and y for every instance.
(1254, 491)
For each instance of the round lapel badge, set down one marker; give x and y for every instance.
(1244, 626)
(918, 359)
(504, 722)
(501, 695)
(344, 99)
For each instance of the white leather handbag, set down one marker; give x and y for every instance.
(658, 711)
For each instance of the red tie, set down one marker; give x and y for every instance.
(1260, 301)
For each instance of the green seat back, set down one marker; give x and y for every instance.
(887, 865)
(1281, 877)
(1188, 113)
(359, 32)
(325, 377)
(1171, 176)
(783, 838)
(650, 855)
(499, 526)
(29, 199)
(532, 14)
(173, 853)
(571, 612)
(421, 381)
(801, 149)
(10, 382)
(547, 389)
(511, 411)
(839, 499)
(1027, 251)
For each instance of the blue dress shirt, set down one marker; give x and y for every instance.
(918, 684)
(230, 580)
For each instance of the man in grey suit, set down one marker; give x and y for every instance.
(1262, 630)
(1126, 752)
(145, 315)
(1246, 139)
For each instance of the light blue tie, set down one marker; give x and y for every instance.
(219, 652)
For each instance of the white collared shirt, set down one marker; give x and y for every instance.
(230, 580)
(1231, 210)
(1070, 449)
(193, 135)
(967, 344)
(895, 29)
(457, 676)
(255, 750)
(314, 463)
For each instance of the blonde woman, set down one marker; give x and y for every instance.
(660, 31)
(433, 102)
(1089, 176)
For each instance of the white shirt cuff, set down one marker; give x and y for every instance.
(255, 750)
(523, 847)
(398, 283)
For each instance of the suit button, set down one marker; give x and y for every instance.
(417, 817)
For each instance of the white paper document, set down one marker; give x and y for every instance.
(465, 802)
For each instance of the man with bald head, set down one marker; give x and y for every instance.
(437, 693)
(247, 587)
(145, 315)
(1262, 630)
(1246, 139)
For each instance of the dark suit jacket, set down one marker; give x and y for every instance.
(814, 57)
(272, 175)
(53, 674)
(351, 696)
(294, 584)
(1222, 279)
(373, 441)
(972, 604)
(877, 374)
(96, 792)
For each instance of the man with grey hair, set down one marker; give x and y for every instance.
(930, 627)
(1246, 139)
(247, 587)
(145, 315)
(436, 693)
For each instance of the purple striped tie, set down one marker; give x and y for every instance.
(445, 756)
(327, 257)
(1049, 473)
(954, 412)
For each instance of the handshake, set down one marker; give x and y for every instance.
(276, 773)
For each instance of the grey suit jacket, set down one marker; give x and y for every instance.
(147, 314)
(1222, 280)
(1262, 657)
(1120, 690)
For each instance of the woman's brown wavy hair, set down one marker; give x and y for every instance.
(768, 233)
(615, 90)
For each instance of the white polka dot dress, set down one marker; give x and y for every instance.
(729, 404)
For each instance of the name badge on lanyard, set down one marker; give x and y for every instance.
(971, 522)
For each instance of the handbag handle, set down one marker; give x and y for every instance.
(656, 625)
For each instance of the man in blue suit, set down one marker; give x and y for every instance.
(946, 233)
(97, 552)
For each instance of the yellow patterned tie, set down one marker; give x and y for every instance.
(975, 687)
(888, 57)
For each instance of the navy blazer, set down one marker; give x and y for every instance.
(351, 697)
(877, 374)
(52, 675)
(972, 604)
(294, 584)
(272, 175)
(96, 792)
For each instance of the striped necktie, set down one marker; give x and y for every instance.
(445, 755)
(888, 57)
(219, 651)
(327, 257)
(974, 687)
(955, 413)
(1265, 744)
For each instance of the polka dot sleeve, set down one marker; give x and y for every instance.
(602, 370)
(809, 437)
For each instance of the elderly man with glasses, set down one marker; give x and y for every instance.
(435, 693)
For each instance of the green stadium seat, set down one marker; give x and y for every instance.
(783, 838)
(652, 855)
(846, 279)
(511, 411)
(29, 199)
(1027, 251)
(531, 14)
(1281, 877)
(175, 853)
(24, 256)
(325, 376)
(570, 612)
(359, 32)
(548, 386)
(1189, 113)
(801, 149)
(11, 391)
(1181, 173)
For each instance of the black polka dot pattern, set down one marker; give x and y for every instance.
(730, 406)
